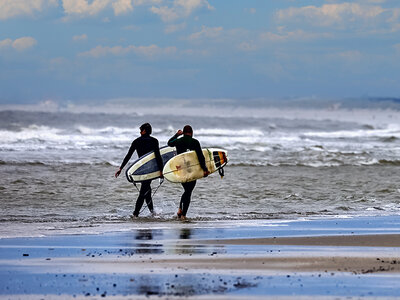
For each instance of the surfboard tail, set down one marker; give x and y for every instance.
(220, 159)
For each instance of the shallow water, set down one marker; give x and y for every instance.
(57, 168)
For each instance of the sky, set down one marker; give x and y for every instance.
(81, 50)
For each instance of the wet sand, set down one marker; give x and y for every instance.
(192, 261)
(370, 240)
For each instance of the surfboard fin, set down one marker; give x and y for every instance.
(221, 172)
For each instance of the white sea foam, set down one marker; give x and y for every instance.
(392, 130)
(229, 132)
(254, 142)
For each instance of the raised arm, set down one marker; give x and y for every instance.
(172, 141)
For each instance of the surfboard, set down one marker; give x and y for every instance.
(146, 168)
(185, 167)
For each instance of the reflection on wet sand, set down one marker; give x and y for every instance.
(185, 233)
(155, 241)
(191, 249)
(289, 260)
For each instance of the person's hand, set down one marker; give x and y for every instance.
(118, 172)
(206, 173)
(179, 132)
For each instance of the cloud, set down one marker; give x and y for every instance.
(167, 14)
(20, 44)
(206, 33)
(6, 43)
(298, 35)
(147, 2)
(330, 14)
(166, 9)
(122, 7)
(394, 20)
(24, 43)
(247, 47)
(152, 51)
(214, 39)
(82, 37)
(82, 7)
(15, 8)
(85, 8)
(191, 5)
(179, 9)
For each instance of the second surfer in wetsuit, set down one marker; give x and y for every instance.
(143, 145)
(183, 144)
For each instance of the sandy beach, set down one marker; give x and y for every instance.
(192, 261)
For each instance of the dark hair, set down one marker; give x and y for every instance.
(188, 129)
(147, 127)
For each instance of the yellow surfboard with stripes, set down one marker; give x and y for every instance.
(185, 167)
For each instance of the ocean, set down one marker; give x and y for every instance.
(287, 160)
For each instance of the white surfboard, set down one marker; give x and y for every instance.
(185, 167)
(146, 168)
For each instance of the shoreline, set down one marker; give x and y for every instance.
(12, 230)
(331, 259)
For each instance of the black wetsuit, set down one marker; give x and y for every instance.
(143, 145)
(183, 144)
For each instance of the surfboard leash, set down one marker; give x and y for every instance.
(155, 191)
(221, 172)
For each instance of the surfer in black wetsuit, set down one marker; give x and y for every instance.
(183, 144)
(143, 145)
